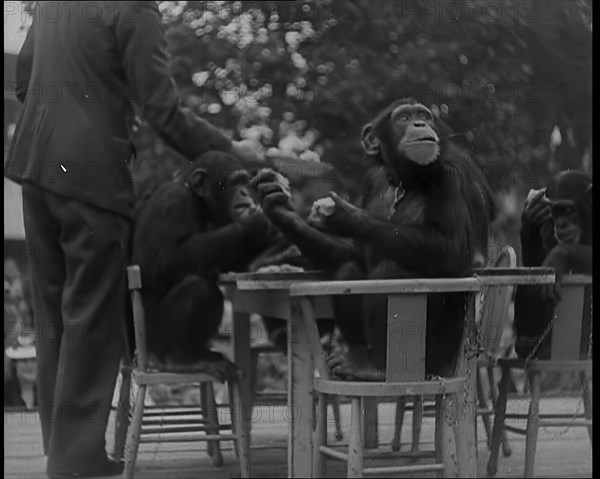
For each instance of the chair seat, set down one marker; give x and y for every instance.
(158, 377)
(392, 389)
(545, 364)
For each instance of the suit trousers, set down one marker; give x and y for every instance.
(78, 256)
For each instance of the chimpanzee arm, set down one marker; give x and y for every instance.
(430, 249)
(566, 259)
(171, 234)
(441, 243)
(536, 242)
(319, 248)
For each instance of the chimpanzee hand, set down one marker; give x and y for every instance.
(558, 259)
(275, 197)
(256, 225)
(537, 209)
(346, 219)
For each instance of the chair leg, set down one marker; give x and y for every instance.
(355, 443)
(122, 414)
(239, 427)
(417, 422)
(400, 407)
(212, 422)
(339, 435)
(442, 436)
(254, 372)
(135, 430)
(483, 405)
(533, 418)
(464, 437)
(371, 419)
(586, 392)
(498, 429)
(320, 439)
(204, 406)
(506, 449)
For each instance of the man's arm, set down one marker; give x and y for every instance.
(23, 67)
(143, 48)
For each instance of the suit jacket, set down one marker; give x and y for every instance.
(81, 68)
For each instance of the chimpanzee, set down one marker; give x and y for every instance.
(556, 231)
(425, 212)
(185, 233)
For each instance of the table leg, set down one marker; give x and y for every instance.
(300, 411)
(242, 357)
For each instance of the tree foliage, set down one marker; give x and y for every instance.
(512, 78)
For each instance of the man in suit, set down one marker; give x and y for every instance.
(82, 66)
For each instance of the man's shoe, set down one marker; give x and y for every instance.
(109, 468)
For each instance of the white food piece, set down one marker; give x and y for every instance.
(324, 206)
(533, 192)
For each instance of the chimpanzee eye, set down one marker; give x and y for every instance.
(425, 115)
(404, 117)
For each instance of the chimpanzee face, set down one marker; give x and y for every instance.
(404, 130)
(567, 221)
(239, 199)
(412, 127)
(222, 187)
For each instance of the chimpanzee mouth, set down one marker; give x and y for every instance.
(242, 206)
(567, 235)
(425, 139)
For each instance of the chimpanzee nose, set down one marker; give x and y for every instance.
(419, 124)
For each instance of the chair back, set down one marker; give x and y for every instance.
(407, 318)
(134, 283)
(493, 311)
(573, 319)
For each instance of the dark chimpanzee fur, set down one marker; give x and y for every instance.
(556, 231)
(186, 232)
(425, 212)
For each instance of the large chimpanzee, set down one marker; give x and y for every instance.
(556, 231)
(185, 233)
(425, 212)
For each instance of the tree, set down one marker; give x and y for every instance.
(512, 78)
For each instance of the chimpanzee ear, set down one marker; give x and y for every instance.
(369, 141)
(198, 182)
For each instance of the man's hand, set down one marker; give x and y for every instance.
(250, 153)
(537, 209)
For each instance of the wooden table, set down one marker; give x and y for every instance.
(268, 295)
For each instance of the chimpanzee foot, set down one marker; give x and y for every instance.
(211, 363)
(344, 366)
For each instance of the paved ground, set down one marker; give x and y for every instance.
(561, 453)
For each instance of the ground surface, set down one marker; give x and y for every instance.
(561, 452)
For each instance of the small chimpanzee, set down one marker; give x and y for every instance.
(556, 231)
(185, 233)
(425, 212)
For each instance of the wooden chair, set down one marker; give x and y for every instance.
(570, 337)
(155, 430)
(405, 375)
(491, 324)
